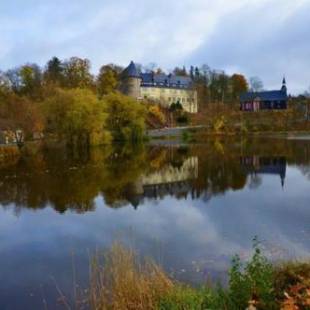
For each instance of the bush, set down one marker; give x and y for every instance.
(156, 112)
(251, 282)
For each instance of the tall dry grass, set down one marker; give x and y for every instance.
(126, 282)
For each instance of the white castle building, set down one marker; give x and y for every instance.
(162, 88)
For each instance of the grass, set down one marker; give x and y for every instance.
(120, 279)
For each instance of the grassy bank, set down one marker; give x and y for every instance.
(129, 282)
(229, 120)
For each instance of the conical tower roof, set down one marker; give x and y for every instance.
(131, 71)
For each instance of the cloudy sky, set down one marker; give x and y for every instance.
(266, 38)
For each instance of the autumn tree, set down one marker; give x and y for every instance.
(30, 80)
(22, 116)
(126, 117)
(77, 116)
(77, 73)
(107, 80)
(239, 85)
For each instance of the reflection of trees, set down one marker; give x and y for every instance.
(219, 170)
(72, 181)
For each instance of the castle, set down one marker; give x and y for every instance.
(162, 88)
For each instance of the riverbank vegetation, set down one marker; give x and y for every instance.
(65, 100)
(224, 119)
(123, 280)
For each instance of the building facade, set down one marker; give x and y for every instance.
(265, 100)
(162, 88)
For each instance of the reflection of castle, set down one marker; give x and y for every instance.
(169, 180)
(265, 165)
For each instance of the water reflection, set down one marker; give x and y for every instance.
(189, 207)
(258, 165)
(127, 174)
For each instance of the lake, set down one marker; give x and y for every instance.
(189, 207)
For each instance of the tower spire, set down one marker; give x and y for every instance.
(283, 88)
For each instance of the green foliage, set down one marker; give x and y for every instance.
(186, 298)
(107, 80)
(75, 115)
(31, 79)
(54, 72)
(251, 281)
(176, 106)
(126, 117)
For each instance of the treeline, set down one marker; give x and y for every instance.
(213, 86)
(66, 101)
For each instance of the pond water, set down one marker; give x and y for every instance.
(190, 207)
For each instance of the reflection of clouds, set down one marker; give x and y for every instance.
(189, 237)
(305, 170)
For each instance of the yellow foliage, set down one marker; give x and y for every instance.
(219, 124)
(156, 111)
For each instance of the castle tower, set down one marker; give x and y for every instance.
(131, 81)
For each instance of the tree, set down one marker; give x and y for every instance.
(4, 84)
(54, 72)
(239, 85)
(256, 84)
(14, 79)
(307, 103)
(21, 116)
(30, 80)
(107, 80)
(180, 71)
(126, 117)
(77, 73)
(76, 115)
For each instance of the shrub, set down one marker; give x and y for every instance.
(251, 282)
(156, 112)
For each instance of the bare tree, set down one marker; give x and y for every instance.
(256, 84)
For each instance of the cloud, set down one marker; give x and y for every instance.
(266, 38)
